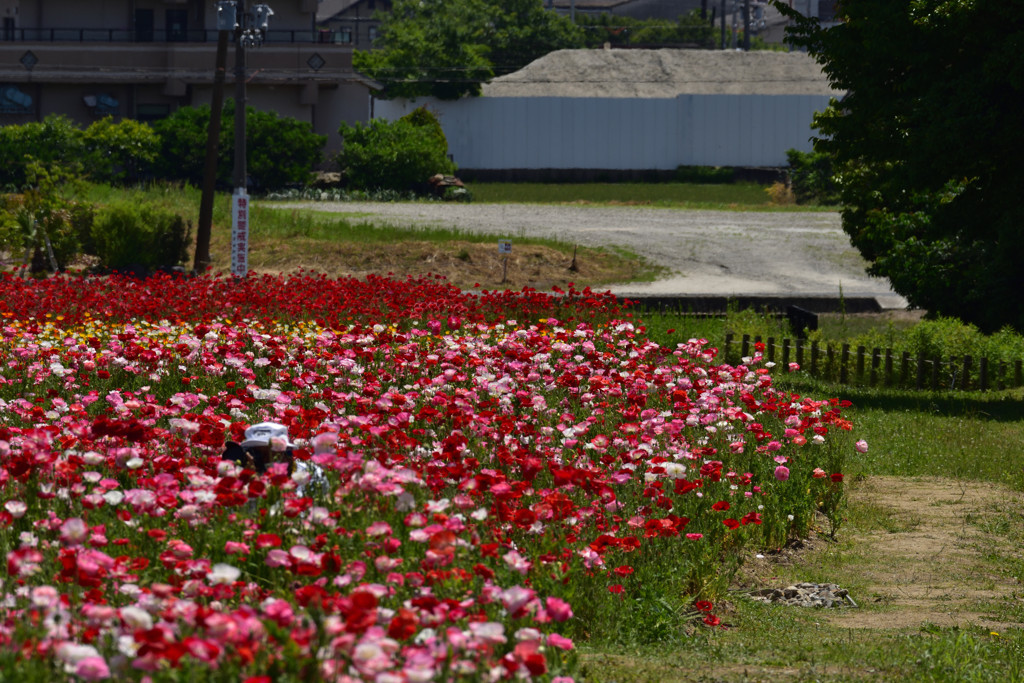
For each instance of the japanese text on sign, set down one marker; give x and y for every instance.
(239, 233)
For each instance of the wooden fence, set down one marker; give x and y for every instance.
(877, 367)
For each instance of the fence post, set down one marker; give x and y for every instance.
(771, 349)
(920, 373)
(876, 359)
(904, 368)
(965, 379)
(814, 359)
(936, 365)
(844, 360)
(983, 373)
(785, 355)
(745, 346)
(860, 364)
(830, 360)
(728, 343)
(888, 367)
(800, 352)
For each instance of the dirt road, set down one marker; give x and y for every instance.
(720, 253)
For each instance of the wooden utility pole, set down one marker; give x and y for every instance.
(202, 259)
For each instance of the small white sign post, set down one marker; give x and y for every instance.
(239, 232)
(504, 249)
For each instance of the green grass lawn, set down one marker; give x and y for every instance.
(731, 196)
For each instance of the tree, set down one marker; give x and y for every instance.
(55, 140)
(927, 147)
(394, 155)
(280, 150)
(119, 152)
(689, 29)
(448, 48)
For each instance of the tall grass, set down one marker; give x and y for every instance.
(268, 221)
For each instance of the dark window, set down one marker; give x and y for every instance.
(344, 35)
(144, 25)
(177, 25)
(8, 28)
(152, 112)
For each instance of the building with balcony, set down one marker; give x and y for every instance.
(351, 22)
(142, 59)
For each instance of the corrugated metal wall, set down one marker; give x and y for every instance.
(620, 133)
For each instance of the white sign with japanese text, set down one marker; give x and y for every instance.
(239, 233)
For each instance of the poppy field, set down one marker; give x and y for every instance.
(509, 475)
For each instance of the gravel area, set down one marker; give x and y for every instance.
(721, 253)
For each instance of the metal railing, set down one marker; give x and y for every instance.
(115, 35)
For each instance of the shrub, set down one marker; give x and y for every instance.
(393, 155)
(54, 140)
(183, 146)
(118, 153)
(425, 119)
(705, 175)
(780, 194)
(44, 222)
(280, 151)
(127, 235)
(811, 177)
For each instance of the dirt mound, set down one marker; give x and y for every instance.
(663, 73)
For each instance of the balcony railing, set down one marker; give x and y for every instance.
(114, 35)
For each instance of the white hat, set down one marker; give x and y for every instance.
(262, 433)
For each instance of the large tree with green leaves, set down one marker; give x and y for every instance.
(448, 48)
(927, 146)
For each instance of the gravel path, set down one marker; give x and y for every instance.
(708, 252)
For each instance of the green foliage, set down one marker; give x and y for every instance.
(811, 177)
(927, 146)
(688, 30)
(705, 175)
(447, 49)
(44, 224)
(429, 125)
(183, 146)
(129, 234)
(119, 152)
(54, 140)
(392, 155)
(280, 151)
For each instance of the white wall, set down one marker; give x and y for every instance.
(620, 133)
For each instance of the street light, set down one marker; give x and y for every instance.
(250, 31)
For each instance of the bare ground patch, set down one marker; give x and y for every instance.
(467, 265)
(916, 553)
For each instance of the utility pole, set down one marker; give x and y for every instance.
(723, 24)
(226, 21)
(250, 32)
(746, 25)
